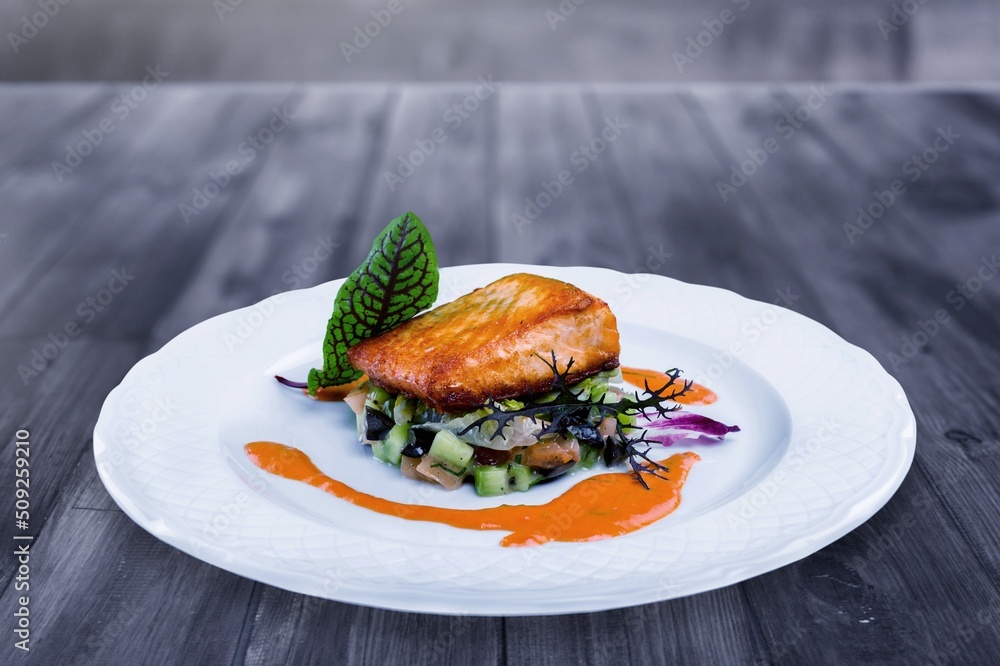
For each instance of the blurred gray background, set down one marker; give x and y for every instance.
(434, 40)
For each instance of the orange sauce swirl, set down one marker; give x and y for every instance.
(696, 395)
(339, 392)
(598, 507)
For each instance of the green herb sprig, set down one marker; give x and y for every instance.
(571, 413)
(398, 279)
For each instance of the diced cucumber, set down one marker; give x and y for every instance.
(547, 397)
(402, 411)
(490, 481)
(520, 477)
(391, 449)
(592, 388)
(379, 398)
(627, 420)
(597, 391)
(451, 452)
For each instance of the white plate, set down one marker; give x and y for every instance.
(827, 437)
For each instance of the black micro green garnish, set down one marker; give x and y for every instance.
(570, 413)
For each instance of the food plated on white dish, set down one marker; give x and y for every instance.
(504, 437)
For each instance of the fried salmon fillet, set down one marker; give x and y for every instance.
(484, 344)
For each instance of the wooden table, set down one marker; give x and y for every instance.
(918, 582)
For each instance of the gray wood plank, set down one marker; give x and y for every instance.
(886, 593)
(555, 204)
(137, 597)
(860, 284)
(434, 161)
(52, 316)
(38, 109)
(35, 214)
(59, 410)
(294, 228)
(663, 633)
(519, 40)
(148, 174)
(103, 591)
(956, 192)
(668, 173)
(296, 629)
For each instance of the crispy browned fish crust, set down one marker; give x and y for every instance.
(483, 345)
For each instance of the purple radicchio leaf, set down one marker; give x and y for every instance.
(682, 425)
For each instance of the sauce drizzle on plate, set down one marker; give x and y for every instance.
(598, 507)
(696, 395)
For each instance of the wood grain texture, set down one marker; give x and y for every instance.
(556, 174)
(427, 151)
(440, 40)
(295, 226)
(838, 273)
(919, 582)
